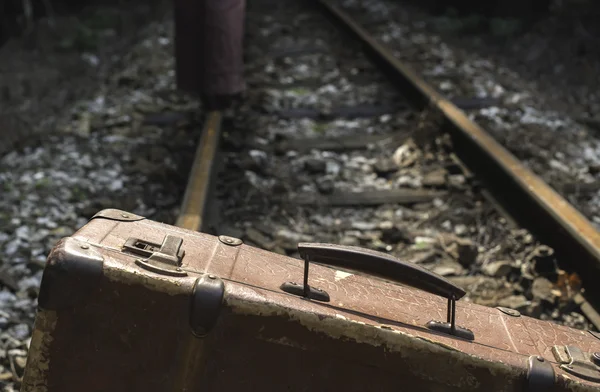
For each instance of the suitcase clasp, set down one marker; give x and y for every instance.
(162, 258)
(574, 361)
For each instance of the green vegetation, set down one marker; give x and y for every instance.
(42, 183)
(320, 127)
(300, 91)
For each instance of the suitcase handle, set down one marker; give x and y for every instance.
(383, 266)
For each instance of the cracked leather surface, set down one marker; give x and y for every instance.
(257, 275)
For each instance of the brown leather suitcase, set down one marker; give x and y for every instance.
(129, 304)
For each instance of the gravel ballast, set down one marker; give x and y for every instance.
(126, 141)
(545, 136)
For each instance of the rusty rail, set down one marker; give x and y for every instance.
(195, 200)
(524, 195)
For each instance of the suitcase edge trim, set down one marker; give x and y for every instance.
(73, 268)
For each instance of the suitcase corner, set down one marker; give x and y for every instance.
(73, 267)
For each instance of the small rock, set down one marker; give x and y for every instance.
(332, 168)
(6, 299)
(464, 251)
(84, 126)
(259, 157)
(385, 225)
(498, 269)
(436, 178)
(542, 289)
(516, 302)
(349, 241)
(522, 236)
(535, 309)
(315, 166)
(422, 243)
(384, 118)
(364, 226)
(249, 163)
(10, 342)
(396, 234)
(576, 320)
(5, 375)
(325, 185)
(386, 215)
(406, 155)
(23, 233)
(381, 246)
(30, 284)
(290, 236)
(461, 230)
(7, 279)
(448, 268)
(20, 331)
(17, 352)
(526, 277)
(424, 257)
(385, 166)
(457, 181)
(12, 247)
(447, 225)
(20, 362)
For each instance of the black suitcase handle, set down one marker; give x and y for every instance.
(384, 266)
(380, 264)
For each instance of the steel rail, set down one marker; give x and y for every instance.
(195, 200)
(524, 195)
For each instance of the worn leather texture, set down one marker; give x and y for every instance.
(132, 331)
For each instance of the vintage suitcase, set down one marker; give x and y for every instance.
(129, 304)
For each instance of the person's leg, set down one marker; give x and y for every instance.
(222, 49)
(189, 36)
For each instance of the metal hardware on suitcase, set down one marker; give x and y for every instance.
(129, 304)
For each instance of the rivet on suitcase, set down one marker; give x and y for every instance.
(129, 304)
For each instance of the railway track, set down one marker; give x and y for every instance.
(327, 149)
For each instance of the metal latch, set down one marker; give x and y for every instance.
(574, 361)
(162, 258)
